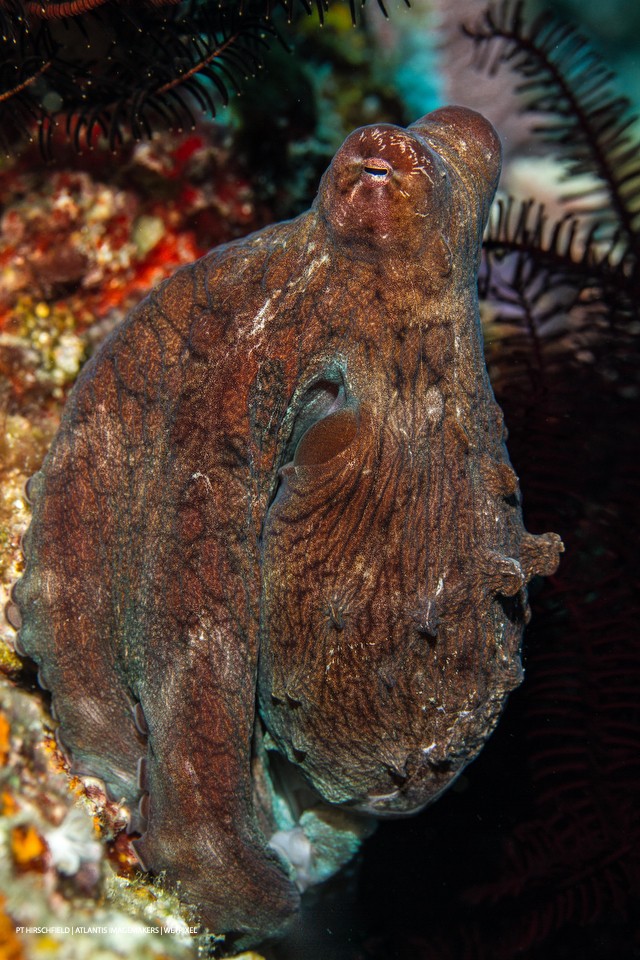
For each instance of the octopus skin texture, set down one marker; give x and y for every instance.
(278, 530)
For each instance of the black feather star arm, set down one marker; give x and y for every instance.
(123, 70)
(563, 291)
(570, 249)
(25, 61)
(558, 293)
(61, 9)
(161, 73)
(72, 70)
(567, 85)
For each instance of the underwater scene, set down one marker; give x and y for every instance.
(319, 448)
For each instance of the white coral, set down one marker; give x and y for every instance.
(73, 843)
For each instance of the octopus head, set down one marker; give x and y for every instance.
(391, 189)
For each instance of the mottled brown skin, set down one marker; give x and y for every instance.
(286, 472)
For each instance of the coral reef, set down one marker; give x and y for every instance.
(54, 869)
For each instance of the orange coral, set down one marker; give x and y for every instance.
(10, 946)
(5, 731)
(8, 805)
(27, 847)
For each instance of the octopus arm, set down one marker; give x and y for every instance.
(138, 605)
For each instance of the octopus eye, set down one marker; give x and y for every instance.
(326, 438)
(377, 168)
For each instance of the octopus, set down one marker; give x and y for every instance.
(276, 575)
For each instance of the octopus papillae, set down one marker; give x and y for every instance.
(278, 540)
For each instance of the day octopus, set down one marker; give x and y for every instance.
(276, 572)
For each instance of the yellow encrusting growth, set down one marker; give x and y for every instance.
(27, 846)
(10, 946)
